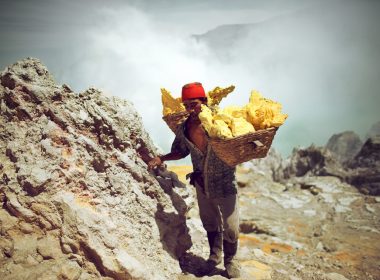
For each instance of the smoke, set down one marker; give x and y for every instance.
(321, 62)
(132, 56)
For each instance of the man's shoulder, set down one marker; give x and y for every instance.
(180, 128)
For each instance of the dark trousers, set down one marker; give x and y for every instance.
(219, 214)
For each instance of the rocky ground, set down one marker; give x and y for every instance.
(312, 227)
(78, 202)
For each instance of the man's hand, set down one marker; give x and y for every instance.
(153, 163)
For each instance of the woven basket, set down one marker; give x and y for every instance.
(235, 150)
(245, 147)
(174, 120)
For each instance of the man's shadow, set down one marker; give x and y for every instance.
(174, 233)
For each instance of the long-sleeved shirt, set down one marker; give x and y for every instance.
(219, 179)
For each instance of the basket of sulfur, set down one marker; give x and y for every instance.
(237, 134)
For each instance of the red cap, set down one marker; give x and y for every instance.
(192, 90)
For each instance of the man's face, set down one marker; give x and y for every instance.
(193, 106)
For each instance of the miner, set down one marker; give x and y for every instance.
(213, 179)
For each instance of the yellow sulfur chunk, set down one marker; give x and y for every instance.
(240, 126)
(255, 97)
(279, 120)
(254, 116)
(263, 113)
(206, 118)
(217, 94)
(170, 104)
(220, 130)
(223, 117)
(232, 121)
(235, 111)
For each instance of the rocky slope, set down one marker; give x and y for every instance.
(77, 199)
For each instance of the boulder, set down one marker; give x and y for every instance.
(271, 166)
(364, 168)
(77, 199)
(317, 161)
(374, 130)
(344, 146)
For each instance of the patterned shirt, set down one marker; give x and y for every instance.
(219, 179)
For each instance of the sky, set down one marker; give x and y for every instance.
(319, 59)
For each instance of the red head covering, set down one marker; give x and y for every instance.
(192, 90)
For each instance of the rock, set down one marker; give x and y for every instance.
(345, 145)
(247, 226)
(49, 247)
(33, 179)
(335, 276)
(70, 270)
(369, 154)
(374, 131)
(312, 161)
(78, 200)
(364, 168)
(257, 270)
(271, 166)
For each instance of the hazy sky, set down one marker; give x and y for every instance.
(320, 59)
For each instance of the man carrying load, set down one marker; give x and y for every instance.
(213, 179)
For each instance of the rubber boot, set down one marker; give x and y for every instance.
(215, 241)
(230, 263)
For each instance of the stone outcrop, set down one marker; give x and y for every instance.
(316, 161)
(374, 130)
(364, 169)
(344, 146)
(271, 166)
(360, 169)
(77, 199)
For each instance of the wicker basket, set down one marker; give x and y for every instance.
(174, 120)
(245, 147)
(235, 150)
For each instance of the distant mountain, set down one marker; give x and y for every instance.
(342, 22)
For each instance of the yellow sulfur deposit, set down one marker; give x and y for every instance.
(264, 113)
(223, 117)
(206, 118)
(222, 125)
(240, 126)
(232, 121)
(220, 129)
(173, 105)
(217, 94)
(170, 104)
(235, 111)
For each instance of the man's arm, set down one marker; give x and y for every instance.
(157, 161)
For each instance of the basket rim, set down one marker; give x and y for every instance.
(269, 129)
(184, 113)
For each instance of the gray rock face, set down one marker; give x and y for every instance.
(365, 167)
(312, 161)
(374, 130)
(77, 199)
(344, 146)
(270, 166)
